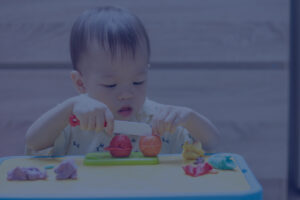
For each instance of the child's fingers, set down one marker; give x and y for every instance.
(109, 121)
(160, 127)
(91, 122)
(175, 124)
(99, 122)
(157, 122)
(162, 123)
(173, 129)
(177, 121)
(169, 121)
(155, 127)
(154, 132)
(83, 121)
(154, 124)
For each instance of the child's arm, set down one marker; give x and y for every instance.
(91, 113)
(199, 127)
(202, 130)
(46, 129)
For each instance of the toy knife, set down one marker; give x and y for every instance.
(122, 127)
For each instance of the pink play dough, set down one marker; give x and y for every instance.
(67, 169)
(198, 170)
(23, 174)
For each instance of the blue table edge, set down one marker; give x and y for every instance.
(255, 192)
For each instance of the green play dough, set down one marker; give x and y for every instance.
(49, 167)
(220, 161)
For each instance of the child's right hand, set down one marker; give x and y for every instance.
(92, 114)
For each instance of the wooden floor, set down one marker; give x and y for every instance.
(248, 106)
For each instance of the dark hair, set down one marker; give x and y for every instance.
(113, 28)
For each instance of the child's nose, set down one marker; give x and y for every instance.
(126, 94)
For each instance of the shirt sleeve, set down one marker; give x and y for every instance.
(58, 149)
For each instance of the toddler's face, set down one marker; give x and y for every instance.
(118, 82)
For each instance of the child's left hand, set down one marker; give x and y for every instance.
(169, 118)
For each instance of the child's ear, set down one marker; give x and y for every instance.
(78, 81)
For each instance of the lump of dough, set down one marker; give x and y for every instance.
(222, 161)
(198, 170)
(23, 174)
(192, 151)
(67, 169)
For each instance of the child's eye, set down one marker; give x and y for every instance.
(110, 86)
(138, 83)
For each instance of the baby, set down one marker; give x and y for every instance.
(110, 53)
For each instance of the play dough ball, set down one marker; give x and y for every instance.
(67, 169)
(26, 173)
(150, 145)
(192, 151)
(222, 161)
(120, 146)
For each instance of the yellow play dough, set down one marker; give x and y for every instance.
(192, 151)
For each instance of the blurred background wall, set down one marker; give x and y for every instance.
(226, 59)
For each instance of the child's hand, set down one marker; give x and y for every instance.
(92, 114)
(169, 118)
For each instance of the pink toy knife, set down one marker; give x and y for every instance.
(123, 127)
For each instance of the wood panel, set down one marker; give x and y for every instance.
(195, 31)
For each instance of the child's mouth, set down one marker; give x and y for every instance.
(125, 111)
